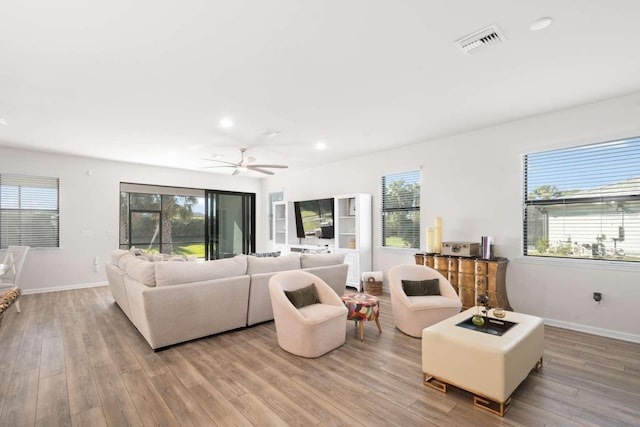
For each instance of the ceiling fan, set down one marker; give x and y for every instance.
(245, 165)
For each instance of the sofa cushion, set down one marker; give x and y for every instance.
(123, 260)
(116, 255)
(257, 265)
(174, 273)
(320, 260)
(139, 268)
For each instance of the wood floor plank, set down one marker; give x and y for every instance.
(52, 363)
(218, 406)
(271, 396)
(152, 409)
(53, 403)
(89, 418)
(116, 404)
(83, 395)
(183, 406)
(19, 407)
(73, 357)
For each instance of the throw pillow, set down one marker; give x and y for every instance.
(414, 288)
(303, 296)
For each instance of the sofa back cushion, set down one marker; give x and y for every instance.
(139, 268)
(116, 255)
(320, 260)
(173, 273)
(257, 265)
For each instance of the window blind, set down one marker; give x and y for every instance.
(401, 210)
(29, 211)
(583, 202)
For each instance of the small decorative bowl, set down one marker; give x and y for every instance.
(499, 313)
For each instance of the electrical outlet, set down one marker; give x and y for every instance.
(86, 233)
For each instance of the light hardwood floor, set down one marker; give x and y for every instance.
(73, 358)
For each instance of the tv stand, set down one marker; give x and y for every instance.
(352, 234)
(310, 248)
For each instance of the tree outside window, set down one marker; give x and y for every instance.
(401, 210)
(163, 223)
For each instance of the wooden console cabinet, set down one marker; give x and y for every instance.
(472, 276)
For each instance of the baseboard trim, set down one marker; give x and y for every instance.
(64, 288)
(593, 330)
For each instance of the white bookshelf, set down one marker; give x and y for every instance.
(352, 224)
(281, 227)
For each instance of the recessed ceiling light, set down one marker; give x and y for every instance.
(226, 122)
(320, 145)
(540, 24)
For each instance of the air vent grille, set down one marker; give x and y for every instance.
(482, 38)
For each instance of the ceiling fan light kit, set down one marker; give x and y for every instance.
(244, 165)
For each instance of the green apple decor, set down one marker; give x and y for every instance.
(477, 320)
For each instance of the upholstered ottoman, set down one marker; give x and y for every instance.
(483, 363)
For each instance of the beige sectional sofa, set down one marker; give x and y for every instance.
(171, 301)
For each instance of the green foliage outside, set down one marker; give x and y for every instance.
(401, 220)
(181, 232)
(542, 245)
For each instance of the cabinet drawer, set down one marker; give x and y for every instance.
(453, 264)
(441, 263)
(466, 280)
(453, 278)
(492, 268)
(481, 284)
(467, 297)
(428, 261)
(466, 266)
(481, 267)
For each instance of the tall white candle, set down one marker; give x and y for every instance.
(430, 240)
(438, 221)
(437, 240)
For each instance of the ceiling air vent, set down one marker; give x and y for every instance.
(481, 38)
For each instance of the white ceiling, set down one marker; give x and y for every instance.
(148, 81)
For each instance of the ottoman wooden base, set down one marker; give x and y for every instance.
(479, 401)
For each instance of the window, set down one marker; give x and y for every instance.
(29, 211)
(401, 210)
(583, 202)
(162, 219)
(184, 221)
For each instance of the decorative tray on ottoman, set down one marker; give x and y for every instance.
(491, 326)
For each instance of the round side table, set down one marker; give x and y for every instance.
(362, 307)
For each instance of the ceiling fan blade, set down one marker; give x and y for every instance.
(218, 166)
(261, 170)
(221, 161)
(268, 166)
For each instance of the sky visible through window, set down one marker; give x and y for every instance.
(586, 167)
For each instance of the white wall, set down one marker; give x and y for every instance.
(474, 182)
(90, 202)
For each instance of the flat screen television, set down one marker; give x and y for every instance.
(314, 218)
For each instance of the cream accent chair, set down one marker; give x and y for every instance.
(412, 314)
(309, 331)
(13, 262)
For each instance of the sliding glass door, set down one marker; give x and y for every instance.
(230, 221)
